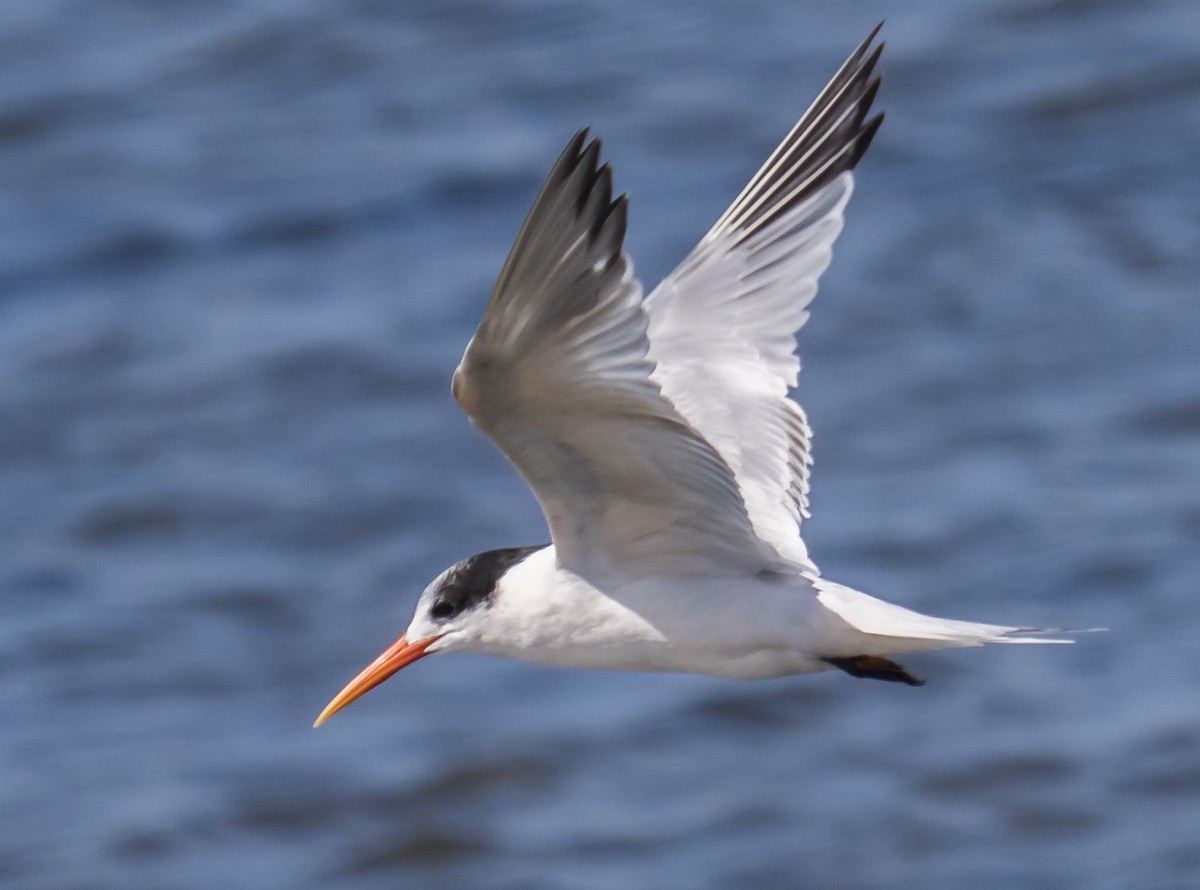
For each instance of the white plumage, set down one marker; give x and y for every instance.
(659, 439)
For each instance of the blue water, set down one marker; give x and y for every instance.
(244, 246)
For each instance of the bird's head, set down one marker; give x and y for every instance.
(450, 615)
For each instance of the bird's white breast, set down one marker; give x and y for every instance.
(754, 626)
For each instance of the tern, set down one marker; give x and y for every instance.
(658, 436)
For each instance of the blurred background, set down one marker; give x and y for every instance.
(245, 243)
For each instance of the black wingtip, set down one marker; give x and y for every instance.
(596, 193)
(872, 60)
(589, 157)
(828, 140)
(570, 156)
(864, 139)
(615, 221)
(862, 48)
(567, 161)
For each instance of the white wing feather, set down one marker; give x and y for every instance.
(723, 324)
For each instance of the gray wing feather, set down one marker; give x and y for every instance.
(558, 376)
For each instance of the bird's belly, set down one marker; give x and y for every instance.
(742, 628)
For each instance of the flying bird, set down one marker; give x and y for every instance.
(658, 436)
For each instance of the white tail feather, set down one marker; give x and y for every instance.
(911, 631)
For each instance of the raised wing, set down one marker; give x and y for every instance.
(558, 377)
(723, 325)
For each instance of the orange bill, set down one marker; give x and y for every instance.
(396, 656)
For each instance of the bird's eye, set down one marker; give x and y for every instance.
(441, 609)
